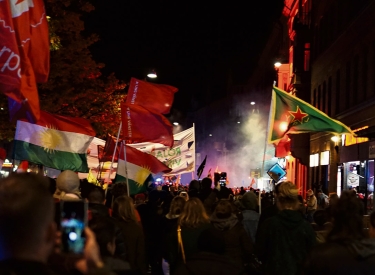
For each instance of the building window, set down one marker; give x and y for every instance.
(324, 98)
(338, 92)
(364, 72)
(319, 103)
(306, 63)
(329, 98)
(358, 95)
(347, 85)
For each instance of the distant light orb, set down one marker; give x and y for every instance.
(252, 103)
(210, 135)
(238, 122)
(175, 123)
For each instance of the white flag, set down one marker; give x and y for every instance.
(180, 158)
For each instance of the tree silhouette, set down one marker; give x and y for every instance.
(75, 86)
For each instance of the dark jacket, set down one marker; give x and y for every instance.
(341, 258)
(134, 244)
(208, 264)
(238, 244)
(190, 241)
(283, 242)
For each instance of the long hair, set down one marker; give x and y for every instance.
(287, 196)
(193, 214)
(123, 208)
(347, 213)
(177, 205)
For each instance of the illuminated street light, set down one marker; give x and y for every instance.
(252, 103)
(152, 74)
(277, 64)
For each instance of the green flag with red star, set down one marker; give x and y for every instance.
(291, 115)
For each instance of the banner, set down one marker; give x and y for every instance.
(180, 158)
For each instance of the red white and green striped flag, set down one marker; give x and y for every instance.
(291, 115)
(139, 166)
(55, 141)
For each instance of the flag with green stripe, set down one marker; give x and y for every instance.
(291, 115)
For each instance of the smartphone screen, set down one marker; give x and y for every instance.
(73, 220)
(223, 178)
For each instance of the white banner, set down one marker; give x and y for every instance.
(181, 157)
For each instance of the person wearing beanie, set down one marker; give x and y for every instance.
(249, 204)
(67, 186)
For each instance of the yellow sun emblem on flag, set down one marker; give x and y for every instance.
(50, 139)
(142, 175)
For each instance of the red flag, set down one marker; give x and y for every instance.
(24, 55)
(282, 149)
(141, 125)
(154, 97)
(105, 153)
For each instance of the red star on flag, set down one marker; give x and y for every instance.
(298, 115)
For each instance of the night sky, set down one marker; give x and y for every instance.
(193, 46)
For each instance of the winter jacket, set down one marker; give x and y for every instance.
(238, 244)
(250, 222)
(342, 258)
(283, 242)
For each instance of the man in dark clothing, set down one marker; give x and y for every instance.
(96, 198)
(28, 232)
(206, 190)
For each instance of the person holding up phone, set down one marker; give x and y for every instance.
(28, 231)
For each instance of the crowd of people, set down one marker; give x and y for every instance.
(204, 228)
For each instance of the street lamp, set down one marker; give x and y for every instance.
(277, 66)
(152, 74)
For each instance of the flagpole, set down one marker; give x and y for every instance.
(113, 156)
(265, 146)
(126, 170)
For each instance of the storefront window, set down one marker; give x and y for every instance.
(370, 185)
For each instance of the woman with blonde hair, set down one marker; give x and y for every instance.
(124, 214)
(192, 221)
(285, 239)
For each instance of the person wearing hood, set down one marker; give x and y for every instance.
(284, 240)
(67, 186)
(250, 218)
(227, 228)
(347, 250)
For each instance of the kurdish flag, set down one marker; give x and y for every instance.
(139, 166)
(291, 115)
(55, 141)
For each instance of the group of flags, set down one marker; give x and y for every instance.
(61, 142)
(57, 141)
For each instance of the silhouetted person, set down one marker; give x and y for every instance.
(28, 232)
(347, 250)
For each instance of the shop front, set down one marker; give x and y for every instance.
(356, 171)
